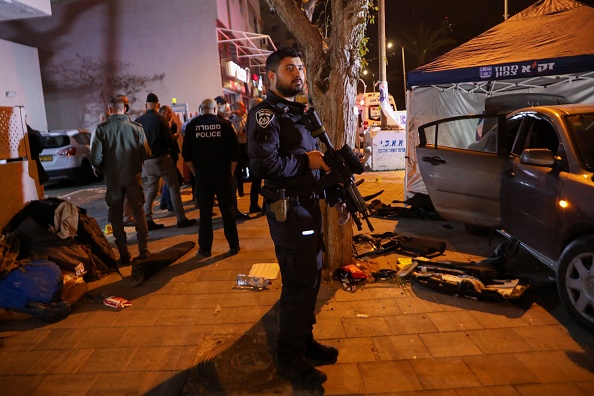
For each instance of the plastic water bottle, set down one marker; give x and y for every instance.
(251, 281)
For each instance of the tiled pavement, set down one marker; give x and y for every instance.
(188, 331)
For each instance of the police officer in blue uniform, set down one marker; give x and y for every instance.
(210, 149)
(283, 153)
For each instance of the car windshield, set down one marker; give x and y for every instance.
(581, 128)
(55, 141)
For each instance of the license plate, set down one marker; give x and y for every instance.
(45, 157)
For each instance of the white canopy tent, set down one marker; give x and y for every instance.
(547, 48)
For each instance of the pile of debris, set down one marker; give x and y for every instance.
(485, 280)
(418, 206)
(50, 250)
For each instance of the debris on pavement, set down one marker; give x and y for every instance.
(418, 206)
(266, 270)
(349, 276)
(384, 273)
(373, 244)
(475, 280)
(251, 282)
(117, 302)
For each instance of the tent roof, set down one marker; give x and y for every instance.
(549, 41)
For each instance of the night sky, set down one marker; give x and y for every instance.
(465, 19)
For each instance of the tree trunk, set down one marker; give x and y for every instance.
(333, 66)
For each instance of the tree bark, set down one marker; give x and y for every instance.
(333, 66)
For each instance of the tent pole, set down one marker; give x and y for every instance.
(381, 15)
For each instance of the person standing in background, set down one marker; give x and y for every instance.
(238, 119)
(223, 112)
(118, 150)
(160, 165)
(36, 147)
(210, 150)
(167, 112)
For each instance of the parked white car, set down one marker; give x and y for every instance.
(66, 155)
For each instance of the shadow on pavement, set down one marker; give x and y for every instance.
(238, 363)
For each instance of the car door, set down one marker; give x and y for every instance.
(463, 183)
(529, 192)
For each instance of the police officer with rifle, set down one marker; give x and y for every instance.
(283, 152)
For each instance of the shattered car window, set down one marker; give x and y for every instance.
(455, 133)
(581, 130)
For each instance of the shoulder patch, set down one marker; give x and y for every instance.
(264, 117)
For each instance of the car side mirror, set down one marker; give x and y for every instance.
(538, 157)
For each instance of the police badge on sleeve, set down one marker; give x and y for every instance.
(264, 117)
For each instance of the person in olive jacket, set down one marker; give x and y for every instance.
(118, 150)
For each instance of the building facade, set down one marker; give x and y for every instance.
(90, 50)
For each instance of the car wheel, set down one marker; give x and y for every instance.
(575, 280)
(85, 174)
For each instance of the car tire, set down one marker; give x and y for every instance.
(85, 174)
(575, 280)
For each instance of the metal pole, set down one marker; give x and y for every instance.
(404, 74)
(505, 10)
(381, 15)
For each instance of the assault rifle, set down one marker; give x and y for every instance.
(339, 184)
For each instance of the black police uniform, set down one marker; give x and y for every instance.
(277, 145)
(211, 145)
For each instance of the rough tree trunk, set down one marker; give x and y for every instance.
(333, 67)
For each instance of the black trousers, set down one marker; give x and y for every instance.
(206, 189)
(255, 190)
(298, 245)
(241, 165)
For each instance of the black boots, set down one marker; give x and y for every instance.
(320, 354)
(302, 374)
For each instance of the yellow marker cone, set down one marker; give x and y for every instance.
(378, 180)
(108, 229)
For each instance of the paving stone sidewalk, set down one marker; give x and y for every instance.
(189, 331)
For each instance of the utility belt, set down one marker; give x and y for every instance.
(280, 200)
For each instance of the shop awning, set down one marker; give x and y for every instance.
(251, 49)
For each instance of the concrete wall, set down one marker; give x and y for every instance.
(239, 14)
(176, 38)
(20, 84)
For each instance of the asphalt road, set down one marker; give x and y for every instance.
(89, 197)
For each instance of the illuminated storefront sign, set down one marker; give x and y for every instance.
(234, 70)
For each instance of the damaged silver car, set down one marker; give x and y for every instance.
(530, 176)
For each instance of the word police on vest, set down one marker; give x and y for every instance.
(206, 131)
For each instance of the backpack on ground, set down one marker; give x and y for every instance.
(34, 288)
